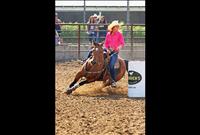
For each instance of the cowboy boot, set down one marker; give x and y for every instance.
(113, 84)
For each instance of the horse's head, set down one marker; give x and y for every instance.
(97, 53)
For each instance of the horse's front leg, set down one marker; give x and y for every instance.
(74, 84)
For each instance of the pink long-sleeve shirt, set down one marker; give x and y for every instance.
(114, 41)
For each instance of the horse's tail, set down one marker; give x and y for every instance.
(126, 62)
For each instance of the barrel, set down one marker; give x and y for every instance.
(136, 79)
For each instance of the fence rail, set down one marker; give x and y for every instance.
(75, 41)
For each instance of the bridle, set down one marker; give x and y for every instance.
(94, 72)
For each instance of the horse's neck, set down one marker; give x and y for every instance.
(98, 65)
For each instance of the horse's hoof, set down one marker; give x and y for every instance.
(68, 92)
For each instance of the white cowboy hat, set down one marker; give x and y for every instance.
(114, 23)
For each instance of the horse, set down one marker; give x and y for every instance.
(96, 69)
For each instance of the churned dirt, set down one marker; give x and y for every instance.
(96, 110)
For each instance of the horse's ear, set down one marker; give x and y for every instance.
(95, 43)
(92, 46)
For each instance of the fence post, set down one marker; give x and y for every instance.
(132, 55)
(78, 41)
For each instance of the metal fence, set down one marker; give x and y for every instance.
(75, 41)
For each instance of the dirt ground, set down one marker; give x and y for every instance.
(94, 110)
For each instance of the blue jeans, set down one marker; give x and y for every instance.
(113, 60)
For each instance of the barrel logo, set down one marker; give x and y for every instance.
(134, 77)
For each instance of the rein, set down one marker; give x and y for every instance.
(95, 72)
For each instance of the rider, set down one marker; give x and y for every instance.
(114, 42)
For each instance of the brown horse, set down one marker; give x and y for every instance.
(96, 69)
